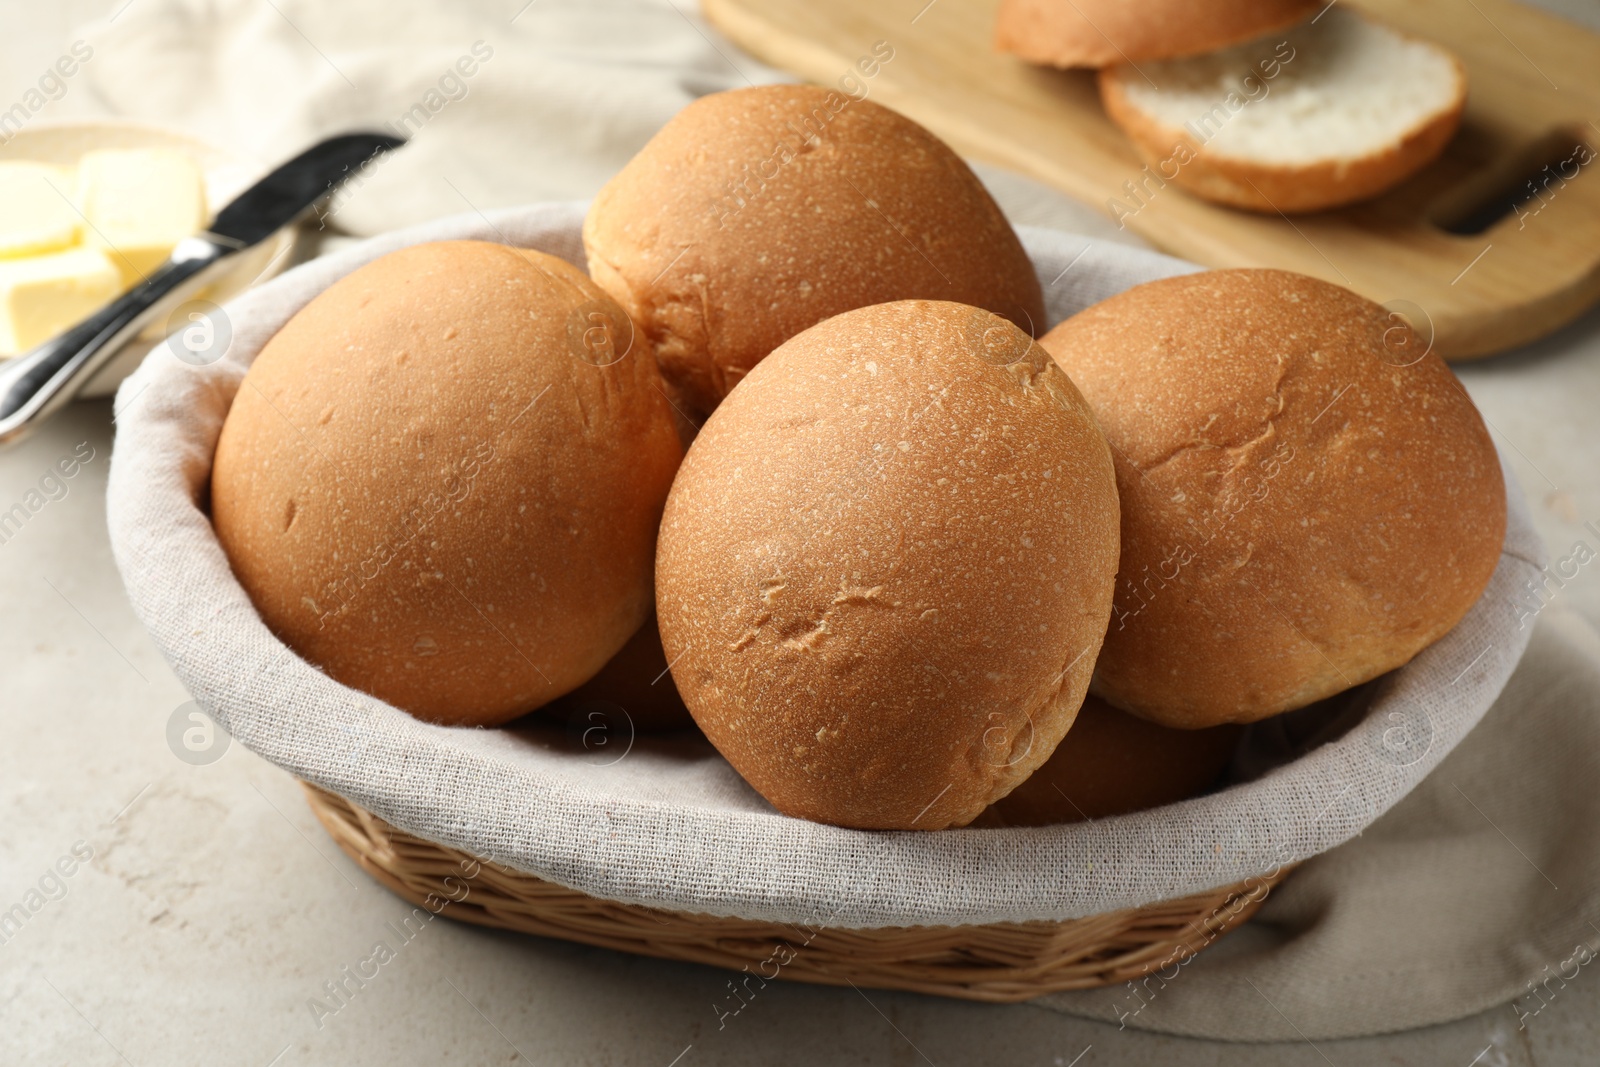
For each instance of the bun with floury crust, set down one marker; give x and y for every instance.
(757, 213)
(636, 680)
(1309, 497)
(885, 567)
(1111, 763)
(440, 481)
(1099, 33)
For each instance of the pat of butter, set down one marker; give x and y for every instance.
(42, 295)
(36, 212)
(138, 204)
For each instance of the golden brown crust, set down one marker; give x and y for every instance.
(885, 566)
(1175, 155)
(1110, 763)
(757, 213)
(1098, 33)
(636, 680)
(1308, 499)
(439, 484)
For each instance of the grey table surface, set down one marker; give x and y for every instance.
(214, 909)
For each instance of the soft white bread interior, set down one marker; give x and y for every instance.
(1330, 112)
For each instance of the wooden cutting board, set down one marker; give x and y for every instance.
(1534, 95)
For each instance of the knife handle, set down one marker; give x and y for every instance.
(35, 384)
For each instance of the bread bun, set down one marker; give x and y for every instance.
(1328, 114)
(1098, 33)
(1111, 763)
(756, 213)
(1309, 498)
(440, 481)
(637, 681)
(885, 567)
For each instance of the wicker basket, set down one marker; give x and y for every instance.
(996, 962)
(914, 924)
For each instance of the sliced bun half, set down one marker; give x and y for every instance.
(1334, 111)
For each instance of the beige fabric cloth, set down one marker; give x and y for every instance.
(1484, 876)
(562, 95)
(1436, 910)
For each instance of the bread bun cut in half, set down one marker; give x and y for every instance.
(1098, 33)
(885, 567)
(1309, 498)
(756, 213)
(1334, 111)
(440, 481)
(1111, 763)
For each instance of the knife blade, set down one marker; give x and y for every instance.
(274, 201)
(34, 385)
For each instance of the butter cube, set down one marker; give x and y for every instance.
(42, 295)
(36, 214)
(138, 204)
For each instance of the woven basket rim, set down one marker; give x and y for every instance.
(994, 963)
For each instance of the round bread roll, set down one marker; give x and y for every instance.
(1098, 33)
(1110, 763)
(885, 567)
(1309, 497)
(440, 481)
(756, 213)
(636, 680)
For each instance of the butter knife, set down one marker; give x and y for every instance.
(38, 382)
